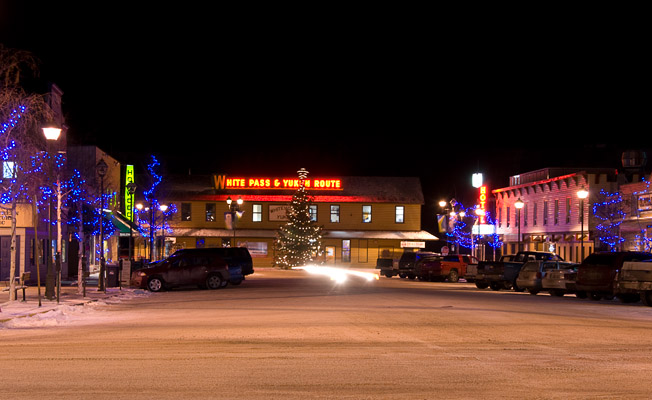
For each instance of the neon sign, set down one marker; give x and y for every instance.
(483, 203)
(223, 182)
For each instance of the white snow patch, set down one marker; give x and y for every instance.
(90, 312)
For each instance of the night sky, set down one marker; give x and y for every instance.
(338, 92)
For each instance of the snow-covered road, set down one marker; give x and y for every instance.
(287, 335)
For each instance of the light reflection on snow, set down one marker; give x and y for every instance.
(339, 275)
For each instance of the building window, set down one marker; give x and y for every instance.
(568, 210)
(525, 214)
(346, 250)
(508, 218)
(313, 212)
(257, 213)
(366, 214)
(210, 212)
(185, 212)
(535, 212)
(399, 214)
(500, 217)
(545, 213)
(556, 215)
(335, 213)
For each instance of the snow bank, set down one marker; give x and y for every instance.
(90, 312)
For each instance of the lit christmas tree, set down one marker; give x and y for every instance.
(298, 242)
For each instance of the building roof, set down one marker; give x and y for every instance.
(353, 188)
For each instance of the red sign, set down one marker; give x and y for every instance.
(483, 204)
(223, 182)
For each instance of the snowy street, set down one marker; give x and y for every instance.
(291, 335)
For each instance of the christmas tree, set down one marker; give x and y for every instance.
(298, 242)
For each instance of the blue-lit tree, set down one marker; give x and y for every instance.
(154, 218)
(608, 209)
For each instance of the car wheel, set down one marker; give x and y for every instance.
(155, 284)
(595, 296)
(453, 276)
(556, 292)
(481, 285)
(213, 282)
(646, 298)
(496, 286)
(533, 291)
(581, 295)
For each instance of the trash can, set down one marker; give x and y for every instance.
(112, 275)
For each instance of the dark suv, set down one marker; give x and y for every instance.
(408, 261)
(595, 275)
(201, 269)
(238, 259)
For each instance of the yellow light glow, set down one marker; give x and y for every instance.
(338, 275)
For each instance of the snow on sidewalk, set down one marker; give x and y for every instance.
(72, 308)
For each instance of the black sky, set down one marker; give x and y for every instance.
(338, 91)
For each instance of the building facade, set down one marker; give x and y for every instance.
(361, 217)
(552, 217)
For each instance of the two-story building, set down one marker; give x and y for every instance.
(541, 210)
(361, 217)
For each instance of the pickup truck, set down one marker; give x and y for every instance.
(408, 261)
(502, 274)
(450, 267)
(388, 266)
(596, 274)
(634, 281)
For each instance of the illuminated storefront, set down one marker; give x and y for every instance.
(361, 216)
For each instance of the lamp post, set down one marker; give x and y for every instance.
(519, 204)
(234, 209)
(443, 204)
(582, 194)
(101, 169)
(52, 134)
(163, 208)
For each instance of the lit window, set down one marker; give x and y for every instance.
(257, 213)
(210, 212)
(335, 213)
(400, 214)
(366, 214)
(313, 212)
(8, 169)
(185, 212)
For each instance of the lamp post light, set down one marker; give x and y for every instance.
(52, 134)
(234, 210)
(519, 204)
(101, 168)
(163, 208)
(582, 194)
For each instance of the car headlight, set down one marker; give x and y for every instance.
(142, 274)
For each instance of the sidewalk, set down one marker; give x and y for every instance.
(68, 297)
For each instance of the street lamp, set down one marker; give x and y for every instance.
(582, 194)
(519, 204)
(101, 168)
(163, 208)
(234, 209)
(52, 134)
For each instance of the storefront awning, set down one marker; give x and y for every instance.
(268, 233)
(122, 224)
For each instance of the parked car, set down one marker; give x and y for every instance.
(238, 259)
(561, 281)
(203, 269)
(429, 268)
(532, 273)
(408, 261)
(634, 282)
(388, 267)
(454, 266)
(502, 274)
(596, 273)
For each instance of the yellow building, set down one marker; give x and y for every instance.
(361, 216)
